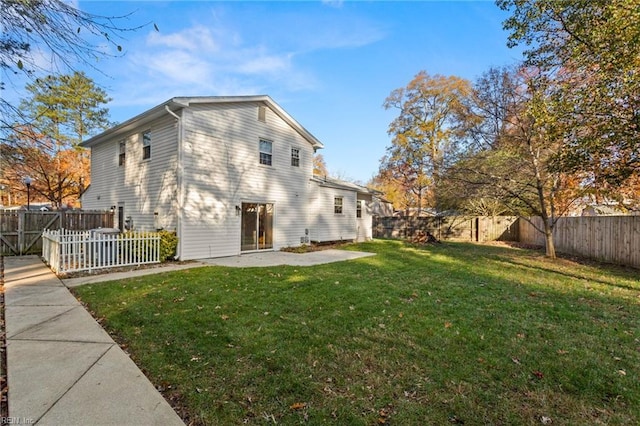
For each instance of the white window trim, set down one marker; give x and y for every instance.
(336, 205)
(297, 158)
(260, 152)
(144, 146)
(122, 153)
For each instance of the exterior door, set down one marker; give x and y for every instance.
(121, 217)
(257, 227)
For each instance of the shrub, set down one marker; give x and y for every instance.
(168, 245)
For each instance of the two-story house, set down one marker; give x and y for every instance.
(229, 174)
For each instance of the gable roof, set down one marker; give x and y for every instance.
(177, 103)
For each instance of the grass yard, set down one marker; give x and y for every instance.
(445, 334)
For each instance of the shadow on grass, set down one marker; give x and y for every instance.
(613, 272)
(621, 271)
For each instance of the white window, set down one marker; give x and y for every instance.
(337, 205)
(146, 145)
(295, 157)
(359, 208)
(122, 152)
(266, 152)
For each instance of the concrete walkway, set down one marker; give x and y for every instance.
(62, 367)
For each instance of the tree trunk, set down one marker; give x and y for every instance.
(550, 248)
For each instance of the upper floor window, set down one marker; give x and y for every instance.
(122, 151)
(359, 208)
(337, 205)
(266, 152)
(146, 145)
(295, 157)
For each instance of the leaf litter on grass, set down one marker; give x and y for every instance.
(523, 340)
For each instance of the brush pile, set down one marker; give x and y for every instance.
(423, 237)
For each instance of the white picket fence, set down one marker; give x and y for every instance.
(73, 251)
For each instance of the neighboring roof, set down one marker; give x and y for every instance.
(603, 210)
(178, 103)
(330, 182)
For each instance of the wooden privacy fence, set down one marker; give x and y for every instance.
(72, 251)
(453, 228)
(21, 231)
(611, 239)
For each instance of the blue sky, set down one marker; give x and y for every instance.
(329, 64)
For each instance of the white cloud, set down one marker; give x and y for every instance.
(223, 53)
(199, 59)
(263, 62)
(194, 39)
(179, 66)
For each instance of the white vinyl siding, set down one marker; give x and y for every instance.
(145, 187)
(325, 224)
(220, 157)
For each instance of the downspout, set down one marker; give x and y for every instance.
(179, 183)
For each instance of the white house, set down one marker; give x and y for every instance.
(229, 174)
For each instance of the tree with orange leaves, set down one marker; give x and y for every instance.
(424, 135)
(319, 165)
(57, 172)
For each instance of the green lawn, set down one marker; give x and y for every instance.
(446, 334)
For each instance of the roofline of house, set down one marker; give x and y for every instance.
(340, 184)
(178, 103)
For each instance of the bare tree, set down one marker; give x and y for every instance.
(65, 36)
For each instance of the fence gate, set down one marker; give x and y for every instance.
(21, 231)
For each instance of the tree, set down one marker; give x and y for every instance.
(515, 139)
(402, 197)
(62, 111)
(52, 27)
(67, 108)
(56, 31)
(591, 48)
(319, 165)
(58, 172)
(424, 134)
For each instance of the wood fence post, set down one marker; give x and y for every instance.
(21, 226)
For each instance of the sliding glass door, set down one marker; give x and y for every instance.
(257, 226)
